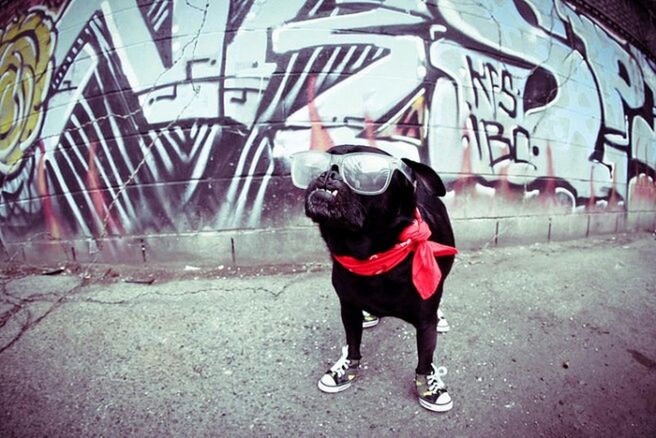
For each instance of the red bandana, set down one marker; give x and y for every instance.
(426, 274)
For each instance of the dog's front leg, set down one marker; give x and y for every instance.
(352, 321)
(345, 370)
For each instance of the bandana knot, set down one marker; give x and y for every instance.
(426, 274)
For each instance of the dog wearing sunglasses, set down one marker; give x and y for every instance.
(392, 246)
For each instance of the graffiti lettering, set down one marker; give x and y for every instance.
(166, 116)
(493, 85)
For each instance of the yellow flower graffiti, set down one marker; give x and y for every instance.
(26, 46)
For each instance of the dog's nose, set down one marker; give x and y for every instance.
(330, 174)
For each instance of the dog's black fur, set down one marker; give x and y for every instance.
(360, 226)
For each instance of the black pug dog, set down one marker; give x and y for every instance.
(369, 207)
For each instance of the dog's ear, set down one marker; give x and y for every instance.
(427, 176)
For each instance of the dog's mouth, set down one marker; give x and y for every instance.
(323, 194)
(333, 205)
(321, 202)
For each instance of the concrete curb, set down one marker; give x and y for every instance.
(303, 244)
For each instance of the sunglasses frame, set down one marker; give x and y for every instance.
(336, 159)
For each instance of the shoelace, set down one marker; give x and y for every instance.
(342, 364)
(434, 379)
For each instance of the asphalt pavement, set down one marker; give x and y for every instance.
(546, 340)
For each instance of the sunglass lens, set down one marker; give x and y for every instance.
(366, 174)
(307, 166)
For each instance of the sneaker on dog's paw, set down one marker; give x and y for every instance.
(369, 320)
(432, 390)
(442, 323)
(341, 375)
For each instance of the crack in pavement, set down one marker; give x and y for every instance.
(139, 297)
(19, 306)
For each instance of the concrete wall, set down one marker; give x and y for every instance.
(141, 130)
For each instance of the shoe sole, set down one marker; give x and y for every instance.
(443, 329)
(370, 324)
(333, 389)
(436, 408)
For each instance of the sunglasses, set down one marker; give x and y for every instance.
(365, 173)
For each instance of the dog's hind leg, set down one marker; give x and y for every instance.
(352, 320)
(426, 342)
(431, 389)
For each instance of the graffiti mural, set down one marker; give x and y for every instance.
(138, 117)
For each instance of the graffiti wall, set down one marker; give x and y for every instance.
(145, 117)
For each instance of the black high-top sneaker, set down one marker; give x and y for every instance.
(340, 375)
(369, 320)
(432, 390)
(442, 323)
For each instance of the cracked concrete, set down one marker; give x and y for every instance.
(546, 340)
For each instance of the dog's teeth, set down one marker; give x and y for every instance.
(334, 192)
